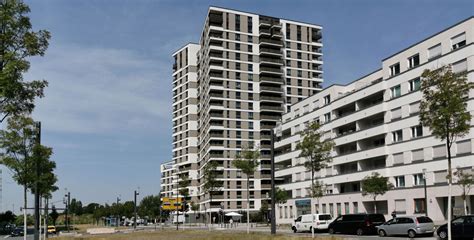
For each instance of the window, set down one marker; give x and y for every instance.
(327, 117)
(434, 51)
(288, 72)
(300, 82)
(415, 84)
(458, 41)
(237, 22)
(327, 99)
(249, 24)
(400, 181)
(298, 46)
(416, 131)
(250, 67)
(418, 179)
(288, 54)
(237, 37)
(395, 91)
(419, 205)
(397, 136)
(249, 48)
(395, 69)
(298, 55)
(400, 206)
(414, 61)
(460, 66)
(355, 207)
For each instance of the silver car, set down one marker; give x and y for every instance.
(408, 225)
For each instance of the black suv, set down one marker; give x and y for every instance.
(359, 224)
(461, 227)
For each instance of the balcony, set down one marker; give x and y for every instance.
(270, 98)
(272, 61)
(264, 31)
(216, 155)
(175, 67)
(271, 70)
(270, 117)
(216, 74)
(218, 115)
(270, 51)
(271, 79)
(270, 89)
(271, 108)
(217, 95)
(215, 19)
(316, 36)
(271, 42)
(267, 126)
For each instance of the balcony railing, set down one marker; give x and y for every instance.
(270, 79)
(271, 98)
(275, 89)
(270, 41)
(269, 50)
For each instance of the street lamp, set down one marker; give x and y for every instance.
(278, 134)
(426, 196)
(135, 194)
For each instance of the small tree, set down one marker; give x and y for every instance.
(316, 150)
(247, 162)
(465, 181)
(374, 186)
(211, 184)
(443, 110)
(54, 215)
(194, 208)
(17, 43)
(317, 191)
(150, 206)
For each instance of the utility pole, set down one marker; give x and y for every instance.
(37, 194)
(426, 195)
(135, 194)
(273, 220)
(46, 202)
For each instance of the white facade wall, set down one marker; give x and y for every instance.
(407, 157)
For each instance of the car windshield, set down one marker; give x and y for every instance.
(298, 219)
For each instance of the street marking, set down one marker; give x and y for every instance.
(7, 236)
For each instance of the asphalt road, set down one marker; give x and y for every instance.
(8, 237)
(366, 237)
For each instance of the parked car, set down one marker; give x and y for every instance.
(359, 224)
(461, 227)
(305, 223)
(407, 225)
(51, 229)
(17, 232)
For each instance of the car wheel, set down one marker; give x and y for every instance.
(443, 234)
(331, 231)
(382, 233)
(294, 229)
(360, 232)
(411, 234)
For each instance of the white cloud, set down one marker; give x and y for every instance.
(96, 90)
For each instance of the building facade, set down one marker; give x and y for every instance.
(230, 90)
(168, 180)
(374, 123)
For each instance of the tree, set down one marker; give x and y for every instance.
(47, 179)
(211, 184)
(7, 217)
(264, 212)
(317, 190)
(374, 186)
(54, 215)
(465, 181)
(17, 43)
(247, 162)
(316, 150)
(281, 196)
(90, 208)
(194, 208)
(443, 110)
(150, 206)
(75, 207)
(18, 142)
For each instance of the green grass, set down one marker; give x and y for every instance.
(194, 235)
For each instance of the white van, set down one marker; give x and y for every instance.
(303, 222)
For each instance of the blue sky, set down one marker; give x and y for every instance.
(107, 111)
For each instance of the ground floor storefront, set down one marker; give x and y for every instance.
(406, 201)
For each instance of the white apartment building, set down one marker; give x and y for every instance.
(374, 123)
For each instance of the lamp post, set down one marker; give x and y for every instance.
(273, 211)
(426, 195)
(135, 194)
(118, 214)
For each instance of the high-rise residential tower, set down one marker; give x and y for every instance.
(230, 90)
